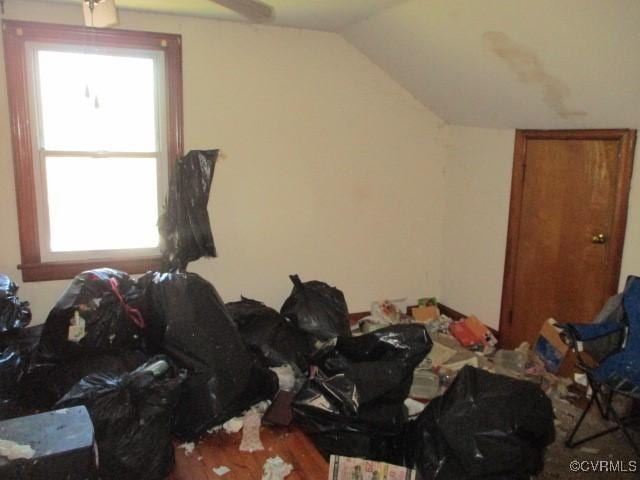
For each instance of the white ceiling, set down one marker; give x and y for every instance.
(329, 15)
(513, 63)
(487, 63)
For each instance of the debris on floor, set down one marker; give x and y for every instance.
(549, 346)
(511, 427)
(233, 425)
(162, 355)
(472, 333)
(251, 432)
(221, 470)
(358, 468)
(276, 469)
(353, 405)
(426, 311)
(12, 450)
(187, 447)
(383, 314)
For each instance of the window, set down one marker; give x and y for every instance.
(96, 121)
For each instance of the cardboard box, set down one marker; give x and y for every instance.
(472, 332)
(425, 314)
(550, 347)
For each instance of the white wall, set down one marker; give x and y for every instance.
(478, 186)
(334, 171)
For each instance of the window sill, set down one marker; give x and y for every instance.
(40, 272)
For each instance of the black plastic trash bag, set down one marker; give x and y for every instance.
(46, 383)
(184, 225)
(13, 312)
(485, 426)
(97, 313)
(16, 349)
(132, 416)
(354, 406)
(270, 335)
(317, 308)
(189, 322)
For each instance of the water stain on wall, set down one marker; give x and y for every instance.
(525, 63)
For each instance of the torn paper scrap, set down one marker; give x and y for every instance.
(286, 377)
(251, 433)
(275, 469)
(261, 407)
(188, 447)
(12, 450)
(234, 425)
(221, 470)
(414, 408)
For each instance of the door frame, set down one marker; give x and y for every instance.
(627, 139)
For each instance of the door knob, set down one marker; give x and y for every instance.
(599, 238)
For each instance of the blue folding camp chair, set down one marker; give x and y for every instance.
(608, 352)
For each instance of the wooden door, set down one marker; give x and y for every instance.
(567, 222)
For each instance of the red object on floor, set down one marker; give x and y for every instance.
(465, 334)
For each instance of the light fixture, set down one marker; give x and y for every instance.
(255, 10)
(99, 13)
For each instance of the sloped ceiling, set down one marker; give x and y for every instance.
(513, 63)
(329, 15)
(486, 63)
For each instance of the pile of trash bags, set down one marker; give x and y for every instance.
(94, 327)
(485, 426)
(354, 403)
(163, 355)
(16, 346)
(132, 416)
(273, 337)
(189, 322)
(14, 313)
(103, 340)
(317, 308)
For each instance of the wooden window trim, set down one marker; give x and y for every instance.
(16, 34)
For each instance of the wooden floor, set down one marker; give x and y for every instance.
(222, 449)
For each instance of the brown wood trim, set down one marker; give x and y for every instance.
(450, 312)
(21, 143)
(619, 223)
(65, 270)
(627, 138)
(356, 316)
(595, 134)
(15, 34)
